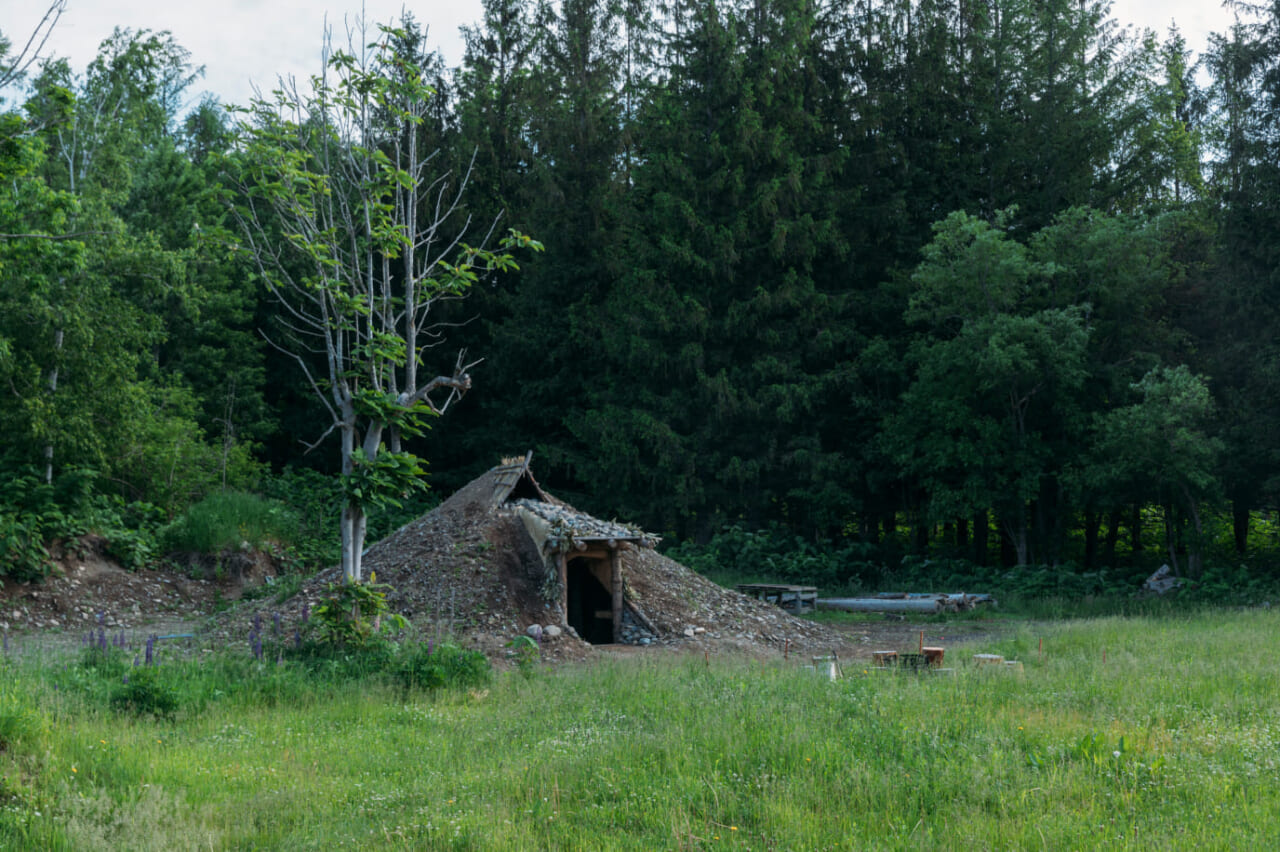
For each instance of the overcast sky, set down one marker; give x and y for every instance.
(239, 41)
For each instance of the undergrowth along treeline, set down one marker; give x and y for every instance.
(1149, 733)
(899, 563)
(294, 514)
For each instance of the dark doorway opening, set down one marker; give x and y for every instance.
(588, 599)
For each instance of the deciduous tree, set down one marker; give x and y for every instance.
(356, 237)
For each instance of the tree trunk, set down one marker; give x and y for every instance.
(1135, 530)
(1240, 524)
(1195, 553)
(1008, 553)
(350, 547)
(352, 514)
(1113, 536)
(53, 390)
(1015, 536)
(889, 523)
(1171, 539)
(981, 534)
(1092, 522)
(922, 531)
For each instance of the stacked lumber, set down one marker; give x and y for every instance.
(928, 603)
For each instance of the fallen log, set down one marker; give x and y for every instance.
(913, 605)
(952, 601)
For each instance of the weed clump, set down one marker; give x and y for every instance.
(428, 666)
(229, 519)
(143, 692)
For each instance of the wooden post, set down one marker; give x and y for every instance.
(562, 568)
(615, 571)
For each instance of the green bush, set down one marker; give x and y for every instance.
(32, 513)
(337, 663)
(229, 519)
(316, 501)
(144, 692)
(110, 662)
(736, 554)
(17, 722)
(353, 614)
(427, 666)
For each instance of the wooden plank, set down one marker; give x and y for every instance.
(643, 619)
(615, 570)
(562, 569)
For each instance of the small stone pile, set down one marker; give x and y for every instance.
(633, 632)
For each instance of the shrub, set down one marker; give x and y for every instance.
(353, 613)
(107, 662)
(32, 513)
(142, 692)
(428, 666)
(526, 653)
(229, 519)
(316, 501)
(17, 722)
(775, 554)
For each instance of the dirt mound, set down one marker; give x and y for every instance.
(456, 572)
(87, 589)
(470, 570)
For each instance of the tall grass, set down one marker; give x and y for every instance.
(1149, 733)
(228, 519)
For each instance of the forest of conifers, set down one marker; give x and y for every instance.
(994, 276)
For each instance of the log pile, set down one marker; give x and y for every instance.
(926, 603)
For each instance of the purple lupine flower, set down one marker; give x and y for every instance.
(257, 622)
(431, 647)
(151, 647)
(102, 639)
(275, 624)
(297, 638)
(306, 612)
(255, 643)
(5, 638)
(100, 616)
(126, 679)
(137, 661)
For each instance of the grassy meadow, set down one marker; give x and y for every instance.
(1140, 733)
